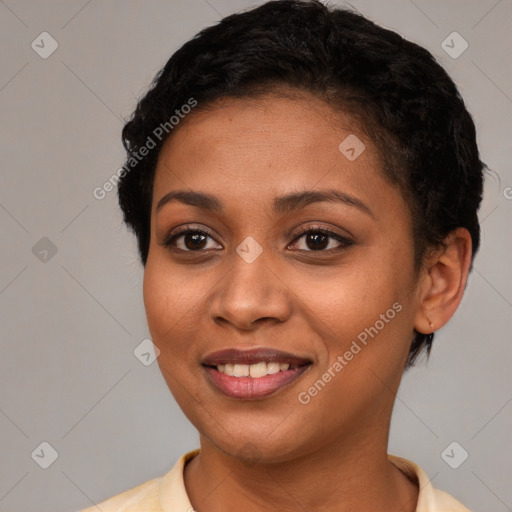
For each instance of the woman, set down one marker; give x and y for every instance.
(304, 188)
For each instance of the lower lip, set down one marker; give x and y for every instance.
(249, 388)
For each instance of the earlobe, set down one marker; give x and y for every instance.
(445, 273)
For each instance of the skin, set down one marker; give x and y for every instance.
(276, 453)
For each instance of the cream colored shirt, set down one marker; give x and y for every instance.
(168, 493)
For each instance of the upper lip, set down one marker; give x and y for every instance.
(252, 356)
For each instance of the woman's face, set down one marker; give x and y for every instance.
(263, 289)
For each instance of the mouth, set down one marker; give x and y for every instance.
(253, 374)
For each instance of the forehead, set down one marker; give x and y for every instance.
(292, 117)
(251, 149)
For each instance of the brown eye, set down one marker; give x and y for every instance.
(317, 241)
(321, 240)
(189, 240)
(194, 241)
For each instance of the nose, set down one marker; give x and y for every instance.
(250, 294)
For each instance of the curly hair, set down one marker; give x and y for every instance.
(402, 97)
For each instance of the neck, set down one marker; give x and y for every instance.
(346, 475)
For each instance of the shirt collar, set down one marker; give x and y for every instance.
(173, 494)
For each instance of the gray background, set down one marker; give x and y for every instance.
(70, 324)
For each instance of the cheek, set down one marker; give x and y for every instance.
(165, 302)
(169, 306)
(175, 301)
(365, 316)
(170, 298)
(369, 336)
(157, 303)
(352, 299)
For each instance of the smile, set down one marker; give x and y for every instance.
(253, 374)
(256, 371)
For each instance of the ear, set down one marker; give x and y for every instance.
(445, 272)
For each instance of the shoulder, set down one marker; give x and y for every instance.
(162, 494)
(447, 503)
(429, 498)
(144, 495)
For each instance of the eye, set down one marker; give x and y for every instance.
(316, 239)
(188, 239)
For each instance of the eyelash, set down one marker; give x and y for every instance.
(344, 242)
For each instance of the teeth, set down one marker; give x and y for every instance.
(272, 368)
(241, 370)
(256, 370)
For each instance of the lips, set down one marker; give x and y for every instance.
(253, 374)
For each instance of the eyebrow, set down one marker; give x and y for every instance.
(283, 204)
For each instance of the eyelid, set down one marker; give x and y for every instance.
(184, 229)
(344, 241)
(323, 229)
